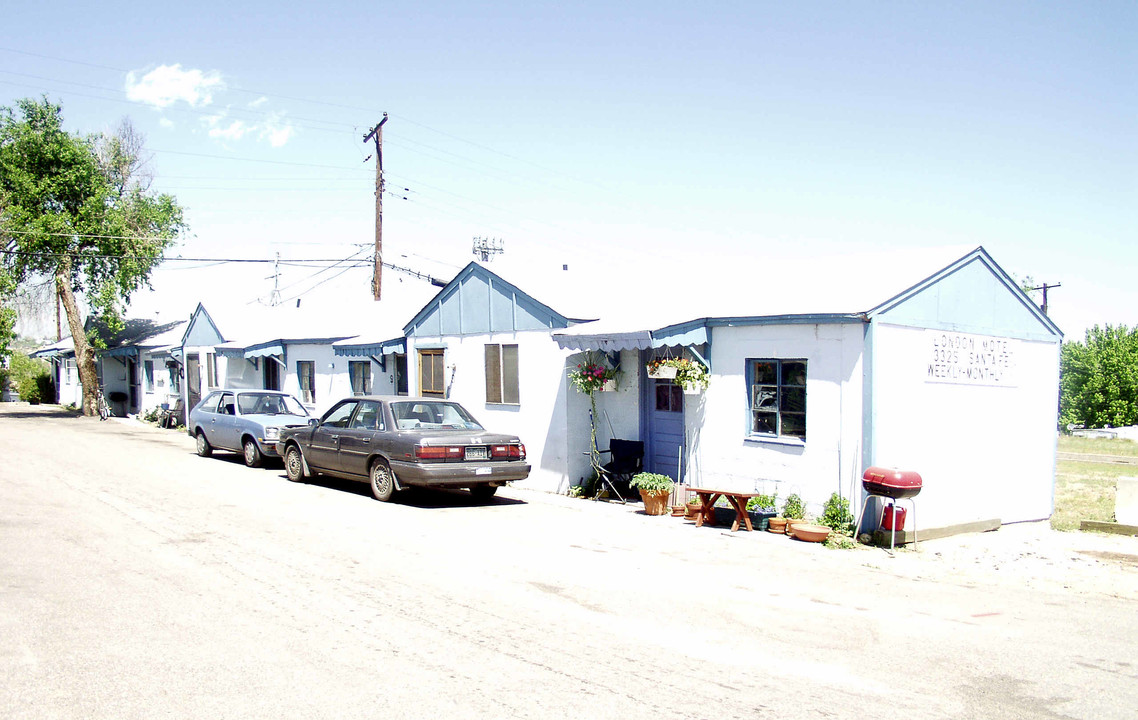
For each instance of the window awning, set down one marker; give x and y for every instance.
(636, 340)
(265, 350)
(126, 351)
(393, 346)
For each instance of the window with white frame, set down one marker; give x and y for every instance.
(211, 370)
(777, 398)
(148, 371)
(502, 384)
(306, 377)
(360, 372)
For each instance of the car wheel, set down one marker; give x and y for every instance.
(203, 447)
(382, 481)
(253, 457)
(483, 492)
(294, 464)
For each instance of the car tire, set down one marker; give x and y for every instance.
(483, 492)
(382, 481)
(202, 445)
(294, 464)
(252, 453)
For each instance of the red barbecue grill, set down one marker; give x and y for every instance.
(893, 484)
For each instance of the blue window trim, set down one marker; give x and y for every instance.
(771, 438)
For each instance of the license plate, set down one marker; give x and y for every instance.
(483, 471)
(477, 453)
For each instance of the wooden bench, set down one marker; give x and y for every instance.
(708, 498)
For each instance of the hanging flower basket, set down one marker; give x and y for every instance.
(690, 375)
(591, 376)
(661, 372)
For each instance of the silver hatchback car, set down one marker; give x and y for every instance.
(248, 422)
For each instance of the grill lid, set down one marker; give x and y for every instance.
(891, 482)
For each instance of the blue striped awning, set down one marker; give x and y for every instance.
(372, 349)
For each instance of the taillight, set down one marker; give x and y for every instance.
(440, 452)
(508, 452)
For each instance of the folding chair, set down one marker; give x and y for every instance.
(627, 459)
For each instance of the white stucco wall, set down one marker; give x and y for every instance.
(162, 390)
(721, 453)
(985, 449)
(618, 414)
(539, 419)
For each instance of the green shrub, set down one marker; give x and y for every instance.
(763, 503)
(836, 515)
(46, 385)
(652, 482)
(793, 508)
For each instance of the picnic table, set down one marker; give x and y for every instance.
(708, 498)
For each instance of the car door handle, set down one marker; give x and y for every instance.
(365, 441)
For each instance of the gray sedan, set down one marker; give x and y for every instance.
(393, 442)
(244, 421)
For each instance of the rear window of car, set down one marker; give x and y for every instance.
(432, 415)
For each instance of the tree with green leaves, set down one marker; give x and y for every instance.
(1098, 379)
(79, 210)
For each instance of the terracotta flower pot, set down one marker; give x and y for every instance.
(792, 522)
(777, 525)
(655, 503)
(678, 510)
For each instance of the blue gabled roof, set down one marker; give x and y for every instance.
(480, 301)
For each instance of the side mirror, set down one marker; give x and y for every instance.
(313, 422)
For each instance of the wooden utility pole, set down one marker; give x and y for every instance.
(377, 275)
(1045, 287)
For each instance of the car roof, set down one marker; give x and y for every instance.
(401, 398)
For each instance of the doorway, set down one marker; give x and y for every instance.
(663, 401)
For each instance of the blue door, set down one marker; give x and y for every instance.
(665, 425)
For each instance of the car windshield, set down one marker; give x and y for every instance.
(269, 404)
(432, 415)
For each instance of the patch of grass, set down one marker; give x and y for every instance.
(1085, 491)
(1097, 446)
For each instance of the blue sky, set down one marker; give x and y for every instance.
(664, 134)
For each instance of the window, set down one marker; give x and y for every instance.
(502, 374)
(432, 378)
(148, 371)
(226, 405)
(339, 415)
(69, 366)
(211, 370)
(669, 396)
(360, 372)
(306, 376)
(777, 397)
(368, 417)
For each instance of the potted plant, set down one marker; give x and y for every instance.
(661, 369)
(654, 491)
(762, 508)
(592, 376)
(692, 376)
(794, 510)
(693, 506)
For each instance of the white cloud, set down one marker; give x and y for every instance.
(167, 84)
(276, 130)
(166, 122)
(235, 131)
(259, 102)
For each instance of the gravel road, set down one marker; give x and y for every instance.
(139, 581)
